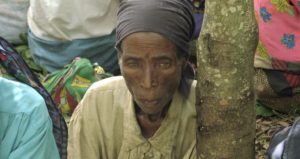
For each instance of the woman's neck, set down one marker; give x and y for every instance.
(150, 123)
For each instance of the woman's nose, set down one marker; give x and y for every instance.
(148, 79)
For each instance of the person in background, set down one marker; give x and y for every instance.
(26, 128)
(277, 59)
(149, 111)
(199, 6)
(61, 30)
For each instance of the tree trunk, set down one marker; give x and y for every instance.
(225, 91)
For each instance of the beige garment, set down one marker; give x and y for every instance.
(260, 62)
(72, 19)
(104, 126)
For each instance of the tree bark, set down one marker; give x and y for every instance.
(225, 90)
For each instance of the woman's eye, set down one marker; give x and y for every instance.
(164, 65)
(132, 64)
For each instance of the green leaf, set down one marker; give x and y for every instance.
(263, 111)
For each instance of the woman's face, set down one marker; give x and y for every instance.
(151, 69)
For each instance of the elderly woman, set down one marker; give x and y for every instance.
(149, 111)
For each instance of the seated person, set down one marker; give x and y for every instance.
(61, 30)
(149, 111)
(278, 54)
(26, 128)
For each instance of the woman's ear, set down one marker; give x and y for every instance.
(184, 64)
(119, 51)
(120, 60)
(119, 54)
(188, 70)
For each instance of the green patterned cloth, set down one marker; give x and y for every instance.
(67, 86)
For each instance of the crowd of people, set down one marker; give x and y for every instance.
(147, 110)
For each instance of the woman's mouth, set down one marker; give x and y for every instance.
(149, 102)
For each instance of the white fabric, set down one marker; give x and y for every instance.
(278, 151)
(13, 19)
(72, 19)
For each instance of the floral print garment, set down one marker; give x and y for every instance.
(279, 29)
(278, 51)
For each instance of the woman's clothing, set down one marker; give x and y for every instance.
(13, 66)
(104, 126)
(278, 52)
(61, 30)
(26, 128)
(54, 55)
(66, 20)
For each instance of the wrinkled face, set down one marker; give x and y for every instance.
(151, 69)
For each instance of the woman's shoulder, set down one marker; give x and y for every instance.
(17, 97)
(109, 84)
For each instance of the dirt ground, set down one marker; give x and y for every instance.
(265, 128)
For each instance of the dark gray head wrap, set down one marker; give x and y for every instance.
(170, 18)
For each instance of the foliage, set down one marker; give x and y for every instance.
(263, 111)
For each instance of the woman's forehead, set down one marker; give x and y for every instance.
(144, 40)
(146, 35)
(148, 45)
